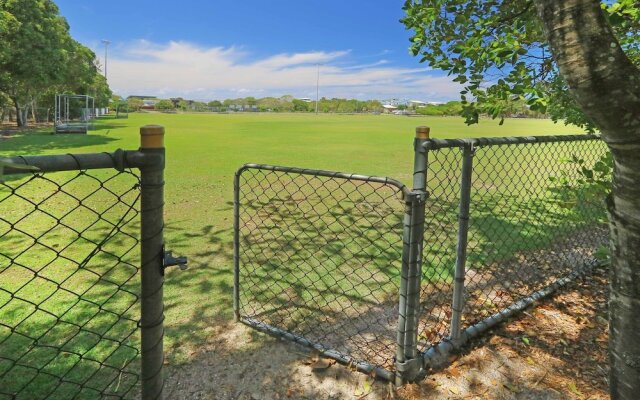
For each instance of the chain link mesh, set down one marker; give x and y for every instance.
(320, 255)
(69, 285)
(320, 258)
(536, 214)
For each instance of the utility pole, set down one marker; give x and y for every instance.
(106, 46)
(317, 88)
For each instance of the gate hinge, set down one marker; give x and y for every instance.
(169, 260)
(417, 196)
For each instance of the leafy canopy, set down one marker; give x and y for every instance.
(38, 56)
(496, 50)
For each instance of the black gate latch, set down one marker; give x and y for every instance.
(170, 261)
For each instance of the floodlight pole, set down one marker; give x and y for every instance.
(317, 88)
(106, 47)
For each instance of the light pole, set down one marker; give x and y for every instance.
(106, 46)
(317, 87)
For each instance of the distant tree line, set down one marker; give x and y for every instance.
(39, 58)
(267, 104)
(325, 105)
(514, 109)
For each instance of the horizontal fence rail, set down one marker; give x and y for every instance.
(72, 295)
(392, 280)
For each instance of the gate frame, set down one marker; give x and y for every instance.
(361, 366)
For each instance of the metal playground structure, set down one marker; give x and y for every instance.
(73, 113)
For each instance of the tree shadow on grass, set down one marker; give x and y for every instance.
(38, 142)
(238, 363)
(328, 270)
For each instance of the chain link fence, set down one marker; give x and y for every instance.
(523, 217)
(75, 311)
(68, 285)
(390, 280)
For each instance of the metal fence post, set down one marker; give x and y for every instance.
(461, 249)
(407, 361)
(236, 245)
(152, 255)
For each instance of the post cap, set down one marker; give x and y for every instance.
(152, 137)
(422, 132)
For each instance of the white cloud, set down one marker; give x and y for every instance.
(184, 69)
(290, 60)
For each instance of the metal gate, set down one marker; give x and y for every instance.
(318, 257)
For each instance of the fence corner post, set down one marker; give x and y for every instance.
(408, 362)
(151, 268)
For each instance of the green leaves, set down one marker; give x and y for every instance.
(582, 184)
(496, 51)
(481, 43)
(38, 54)
(603, 254)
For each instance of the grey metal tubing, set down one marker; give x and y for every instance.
(77, 96)
(236, 244)
(420, 161)
(411, 274)
(402, 295)
(433, 144)
(119, 159)
(437, 356)
(461, 249)
(417, 235)
(333, 354)
(414, 278)
(329, 174)
(152, 279)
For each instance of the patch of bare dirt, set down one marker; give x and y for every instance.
(556, 350)
(10, 129)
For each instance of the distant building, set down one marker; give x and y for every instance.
(389, 108)
(417, 104)
(305, 99)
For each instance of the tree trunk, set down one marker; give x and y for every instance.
(33, 111)
(18, 113)
(25, 116)
(606, 85)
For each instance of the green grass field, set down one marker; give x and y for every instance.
(204, 151)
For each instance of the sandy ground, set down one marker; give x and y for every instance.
(556, 350)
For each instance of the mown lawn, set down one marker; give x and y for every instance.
(203, 152)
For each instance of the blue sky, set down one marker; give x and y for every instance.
(214, 50)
